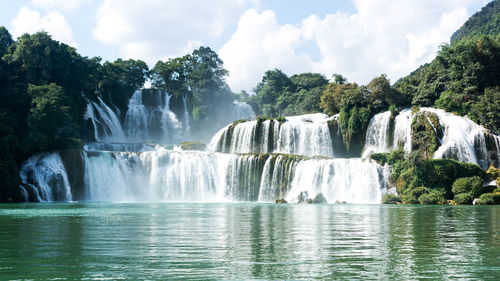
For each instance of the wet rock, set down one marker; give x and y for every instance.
(281, 201)
(192, 146)
(319, 199)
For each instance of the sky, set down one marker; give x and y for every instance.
(359, 39)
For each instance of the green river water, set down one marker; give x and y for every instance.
(248, 241)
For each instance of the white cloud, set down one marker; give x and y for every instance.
(158, 29)
(65, 5)
(30, 21)
(382, 36)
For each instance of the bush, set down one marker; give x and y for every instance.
(380, 158)
(474, 185)
(389, 198)
(433, 197)
(319, 199)
(419, 191)
(463, 198)
(409, 199)
(489, 199)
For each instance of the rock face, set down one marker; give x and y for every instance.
(73, 161)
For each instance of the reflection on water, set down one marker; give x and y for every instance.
(248, 241)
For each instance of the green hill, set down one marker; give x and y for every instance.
(484, 22)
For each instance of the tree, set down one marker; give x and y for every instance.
(5, 40)
(50, 124)
(120, 79)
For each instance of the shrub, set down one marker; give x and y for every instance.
(463, 198)
(319, 199)
(389, 198)
(489, 199)
(409, 199)
(419, 191)
(474, 185)
(380, 158)
(433, 197)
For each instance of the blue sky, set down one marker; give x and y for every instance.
(360, 39)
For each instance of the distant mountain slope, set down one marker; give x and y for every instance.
(484, 22)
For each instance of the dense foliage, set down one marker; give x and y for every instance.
(484, 22)
(199, 77)
(463, 78)
(280, 95)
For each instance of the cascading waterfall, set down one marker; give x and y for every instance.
(304, 135)
(137, 119)
(151, 120)
(106, 124)
(46, 175)
(349, 180)
(377, 134)
(166, 175)
(259, 160)
(462, 140)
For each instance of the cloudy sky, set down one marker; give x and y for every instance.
(360, 39)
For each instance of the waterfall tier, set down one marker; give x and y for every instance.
(166, 175)
(46, 176)
(304, 135)
(458, 137)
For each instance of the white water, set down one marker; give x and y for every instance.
(46, 173)
(106, 124)
(463, 140)
(151, 123)
(187, 125)
(165, 175)
(377, 134)
(137, 119)
(349, 180)
(302, 135)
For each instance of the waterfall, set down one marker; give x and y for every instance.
(166, 175)
(46, 174)
(187, 127)
(241, 110)
(304, 135)
(402, 130)
(123, 147)
(106, 124)
(137, 119)
(149, 118)
(462, 139)
(377, 134)
(349, 180)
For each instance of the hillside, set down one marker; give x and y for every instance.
(484, 22)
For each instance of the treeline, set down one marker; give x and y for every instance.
(464, 78)
(45, 87)
(484, 22)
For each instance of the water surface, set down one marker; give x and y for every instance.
(96, 241)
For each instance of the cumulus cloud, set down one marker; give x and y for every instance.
(159, 29)
(65, 5)
(31, 21)
(381, 36)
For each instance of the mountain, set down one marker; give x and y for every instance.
(484, 22)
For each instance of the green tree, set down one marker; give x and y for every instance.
(50, 124)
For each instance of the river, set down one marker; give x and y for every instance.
(235, 241)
